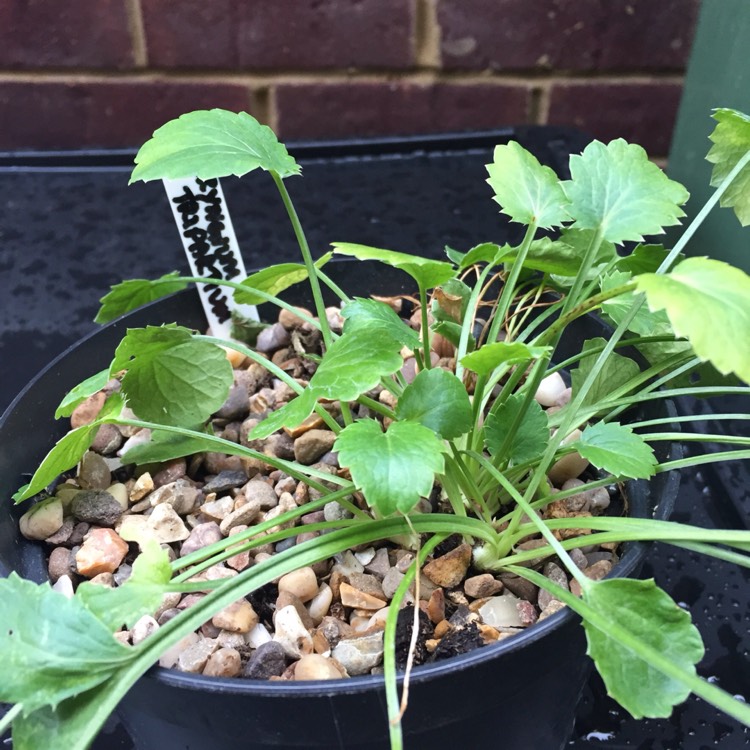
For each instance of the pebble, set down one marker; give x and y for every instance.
(96, 507)
(102, 552)
(42, 520)
(136, 528)
(272, 338)
(352, 597)
(60, 563)
(242, 516)
(289, 320)
(143, 628)
(557, 575)
(285, 599)
(225, 481)
(167, 525)
(63, 534)
(181, 494)
(218, 510)
(120, 493)
(107, 440)
(320, 604)
(333, 511)
(367, 584)
(303, 583)
(550, 390)
(170, 472)
(194, 657)
(311, 445)
(104, 579)
(391, 582)
(316, 667)
(169, 657)
(553, 607)
(449, 569)
(501, 611)
(481, 586)
(347, 564)
(291, 633)
(260, 492)
(258, 636)
(142, 486)
(201, 536)
(268, 660)
(436, 606)
(64, 586)
(224, 662)
(360, 654)
(87, 411)
(236, 405)
(570, 466)
(238, 617)
(379, 565)
(225, 639)
(527, 612)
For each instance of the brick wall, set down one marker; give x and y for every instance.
(107, 72)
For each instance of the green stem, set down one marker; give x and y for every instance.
(467, 324)
(7, 720)
(427, 364)
(312, 271)
(333, 286)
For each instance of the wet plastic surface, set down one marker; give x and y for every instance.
(66, 235)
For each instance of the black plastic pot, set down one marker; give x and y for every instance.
(520, 693)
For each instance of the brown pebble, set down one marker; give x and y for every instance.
(449, 569)
(351, 597)
(442, 628)
(102, 552)
(481, 586)
(436, 606)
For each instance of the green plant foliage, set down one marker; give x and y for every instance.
(379, 319)
(134, 293)
(527, 191)
(81, 392)
(707, 302)
(643, 259)
(274, 280)
(487, 252)
(165, 446)
(731, 139)
(140, 595)
(618, 450)
(393, 468)
(427, 273)
(438, 400)
(212, 143)
(615, 372)
(43, 665)
(529, 440)
(294, 412)
(490, 356)
(615, 189)
(172, 378)
(651, 617)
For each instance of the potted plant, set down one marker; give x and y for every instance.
(439, 459)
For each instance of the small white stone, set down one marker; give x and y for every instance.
(320, 604)
(348, 564)
(167, 525)
(550, 390)
(359, 655)
(365, 556)
(120, 493)
(258, 636)
(291, 633)
(142, 486)
(569, 466)
(193, 658)
(64, 586)
(501, 612)
(379, 618)
(143, 629)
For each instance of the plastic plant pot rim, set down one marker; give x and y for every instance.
(633, 557)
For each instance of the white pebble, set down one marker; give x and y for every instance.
(550, 390)
(501, 612)
(258, 636)
(291, 632)
(320, 604)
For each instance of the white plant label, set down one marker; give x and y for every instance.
(205, 226)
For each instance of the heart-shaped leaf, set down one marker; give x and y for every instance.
(378, 318)
(393, 468)
(134, 293)
(618, 450)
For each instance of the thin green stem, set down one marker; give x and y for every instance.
(312, 271)
(7, 720)
(467, 324)
(427, 364)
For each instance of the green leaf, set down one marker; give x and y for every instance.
(452, 332)
(140, 595)
(81, 392)
(487, 252)
(454, 256)
(274, 280)
(618, 450)
(450, 301)
(617, 371)
(355, 363)
(427, 273)
(532, 435)
(171, 378)
(134, 293)
(731, 139)
(485, 360)
(51, 647)
(68, 451)
(525, 189)
(211, 143)
(652, 617)
(294, 412)
(378, 318)
(165, 446)
(617, 189)
(643, 259)
(393, 468)
(437, 399)
(707, 302)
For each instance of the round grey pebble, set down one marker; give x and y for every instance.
(96, 507)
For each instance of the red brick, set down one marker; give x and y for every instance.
(578, 35)
(66, 34)
(108, 114)
(367, 109)
(280, 34)
(641, 113)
